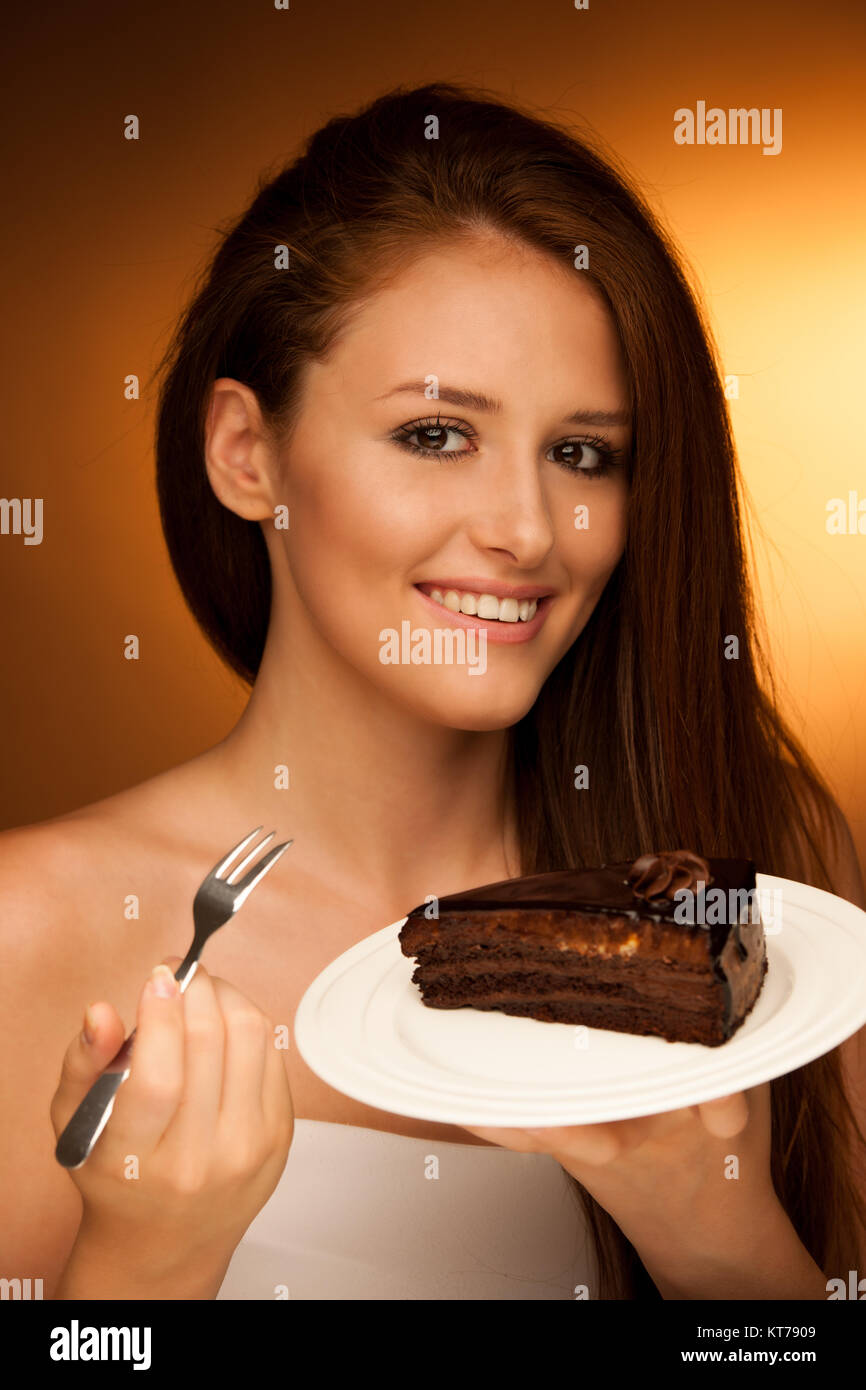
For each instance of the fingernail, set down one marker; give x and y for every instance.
(88, 1032)
(162, 982)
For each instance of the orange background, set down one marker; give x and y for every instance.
(102, 238)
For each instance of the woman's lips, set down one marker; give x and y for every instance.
(496, 630)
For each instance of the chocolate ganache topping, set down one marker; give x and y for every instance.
(668, 872)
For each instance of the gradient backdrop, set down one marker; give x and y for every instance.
(102, 238)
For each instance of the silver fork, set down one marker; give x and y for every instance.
(219, 898)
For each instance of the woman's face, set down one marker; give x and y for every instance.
(509, 496)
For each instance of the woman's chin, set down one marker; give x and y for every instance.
(481, 710)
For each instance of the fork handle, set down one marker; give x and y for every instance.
(89, 1120)
(91, 1117)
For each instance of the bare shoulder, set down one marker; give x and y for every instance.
(86, 898)
(56, 874)
(43, 906)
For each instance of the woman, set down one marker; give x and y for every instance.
(447, 350)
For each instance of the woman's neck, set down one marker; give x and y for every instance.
(376, 796)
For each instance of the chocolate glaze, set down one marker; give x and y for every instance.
(602, 890)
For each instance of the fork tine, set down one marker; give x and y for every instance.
(232, 877)
(217, 870)
(247, 884)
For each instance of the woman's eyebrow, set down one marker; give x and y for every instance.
(474, 400)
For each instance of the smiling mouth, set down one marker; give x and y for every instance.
(484, 605)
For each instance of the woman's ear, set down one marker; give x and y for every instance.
(239, 458)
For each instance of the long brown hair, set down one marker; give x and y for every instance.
(677, 722)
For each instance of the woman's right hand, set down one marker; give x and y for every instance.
(198, 1137)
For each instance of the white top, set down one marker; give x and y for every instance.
(363, 1214)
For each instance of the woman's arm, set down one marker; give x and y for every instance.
(760, 1254)
(704, 1227)
(96, 1270)
(694, 1195)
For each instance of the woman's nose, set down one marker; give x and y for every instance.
(510, 512)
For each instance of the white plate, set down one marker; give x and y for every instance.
(362, 1027)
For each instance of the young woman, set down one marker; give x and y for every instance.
(448, 351)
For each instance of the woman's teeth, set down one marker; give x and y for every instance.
(505, 610)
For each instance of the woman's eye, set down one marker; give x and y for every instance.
(582, 457)
(435, 439)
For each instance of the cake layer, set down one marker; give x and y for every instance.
(688, 998)
(558, 932)
(686, 989)
(645, 1019)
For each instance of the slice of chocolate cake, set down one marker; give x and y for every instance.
(671, 945)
